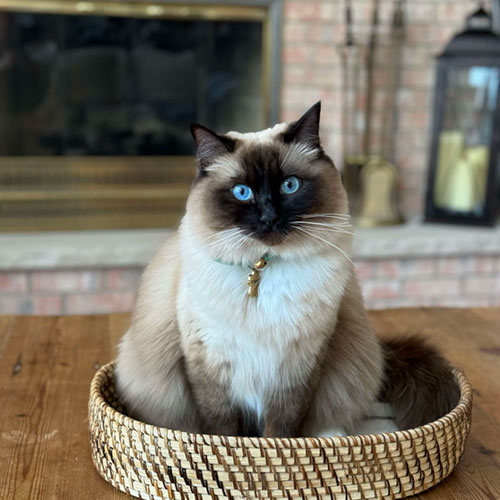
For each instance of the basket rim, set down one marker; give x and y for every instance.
(462, 408)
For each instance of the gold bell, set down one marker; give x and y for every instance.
(260, 264)
(254, 278)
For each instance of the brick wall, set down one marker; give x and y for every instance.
(464, 281)
(457, 282)
(312, 70)
(68, 292)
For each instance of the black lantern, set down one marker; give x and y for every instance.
(465, 147)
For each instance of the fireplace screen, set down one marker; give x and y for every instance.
(96, 108)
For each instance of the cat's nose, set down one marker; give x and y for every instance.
(269, 218)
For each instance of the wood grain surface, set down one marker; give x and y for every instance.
(47, 363)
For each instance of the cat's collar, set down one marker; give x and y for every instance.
(253, 279)
(267, 257)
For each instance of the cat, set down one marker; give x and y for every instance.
(250, 319)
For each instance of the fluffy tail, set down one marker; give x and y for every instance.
(418, 382)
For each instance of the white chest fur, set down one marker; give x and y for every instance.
(297, 301)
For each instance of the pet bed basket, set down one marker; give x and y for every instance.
(156, 463)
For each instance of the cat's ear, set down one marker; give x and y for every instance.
(306, 128)
(210, 145)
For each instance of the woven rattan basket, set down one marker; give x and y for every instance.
(151, 462)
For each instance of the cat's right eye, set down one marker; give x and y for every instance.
(242, 192)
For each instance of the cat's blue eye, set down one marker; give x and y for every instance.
(242, 192)
(290, 185)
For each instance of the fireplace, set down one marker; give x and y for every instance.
(96, 100)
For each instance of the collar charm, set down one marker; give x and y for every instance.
(254, 277)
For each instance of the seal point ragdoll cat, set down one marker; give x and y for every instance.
(250, 319)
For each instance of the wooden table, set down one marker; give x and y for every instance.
(46, 364)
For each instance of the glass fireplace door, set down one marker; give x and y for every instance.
(95, 110)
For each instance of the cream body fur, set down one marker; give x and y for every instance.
(200, 351)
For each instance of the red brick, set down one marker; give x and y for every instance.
(431, 287)
(294, 74)
(412, 142)
(389, 269)
(364, 269)
(47, 305)
(325, 55)
(289, 114)
(13, 282)
(65, 281)
(380, 290)
(302, 11)
(322, 33)
(382, 77)
(414, 98)
(294, 33)
(410, 162)
(412, 119)
(100, 303)
(450, 266)
(482, 285)
(330, 11)
(377, 304)
(423, 35)
(418, 56)
(424, 13)
(14, 305)
(299, 96)
(418, 77)
(295, 54)
(453, 13)
(421, 267)
(120, 279)
(494, 301)
(314, 34)
(480, 265)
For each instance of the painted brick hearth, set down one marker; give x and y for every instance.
(458, 281)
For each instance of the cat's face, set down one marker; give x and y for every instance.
(274, 190)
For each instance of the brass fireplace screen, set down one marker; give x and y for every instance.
(96, 100)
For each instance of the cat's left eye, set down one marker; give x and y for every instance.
(290, 185)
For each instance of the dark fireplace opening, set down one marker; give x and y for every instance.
(100, 85)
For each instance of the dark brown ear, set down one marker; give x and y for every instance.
(209, 145)
(306, 128)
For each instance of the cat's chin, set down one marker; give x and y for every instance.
(270, 239)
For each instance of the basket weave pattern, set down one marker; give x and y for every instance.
(152, 462)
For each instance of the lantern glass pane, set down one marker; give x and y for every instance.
(464, 142)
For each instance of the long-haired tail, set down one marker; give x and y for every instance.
(418, 382)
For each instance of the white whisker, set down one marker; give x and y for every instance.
(332, 215)
(329, 227)
(219, 233)
(323, 230)
(247, 238)
(325, 241)
(225, 238)
(332, 224)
